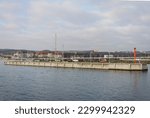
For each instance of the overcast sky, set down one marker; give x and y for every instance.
(79, 24)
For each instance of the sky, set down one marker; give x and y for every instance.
(101, 25)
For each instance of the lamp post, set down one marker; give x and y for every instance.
(55, 46)
(109, 56)
(63, 53)
(90, 56)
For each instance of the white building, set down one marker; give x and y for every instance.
(108, 56)
(50, 55)
(55, 55)
(30, 55)
(19, 55)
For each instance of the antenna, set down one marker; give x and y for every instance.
(55, 43)
(63, 52)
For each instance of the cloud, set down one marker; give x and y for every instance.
(10, 26)
(8, 5)
(86, 24)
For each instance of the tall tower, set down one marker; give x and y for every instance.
(134, 55)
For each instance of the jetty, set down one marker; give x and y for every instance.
(82, 65)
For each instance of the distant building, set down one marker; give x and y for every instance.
(41, 54)
(30, 54)
(58, 55)
(19, 55)
(108, 56)
(50, 55)
(55, 54)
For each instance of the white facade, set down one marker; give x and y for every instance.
(30, 55)
(108, 56)
(50, 55)
(19, 55)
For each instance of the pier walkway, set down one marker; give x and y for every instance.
(83, 65)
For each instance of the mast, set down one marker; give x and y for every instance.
(55, 43)
(55, 47)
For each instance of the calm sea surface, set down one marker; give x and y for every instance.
(39, 83)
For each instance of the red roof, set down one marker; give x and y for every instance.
(42, 53)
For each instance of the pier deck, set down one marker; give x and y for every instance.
(84, 65)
